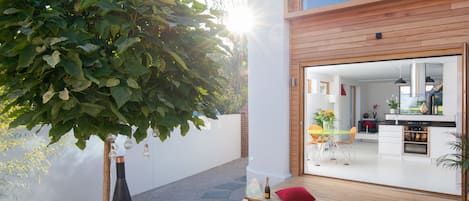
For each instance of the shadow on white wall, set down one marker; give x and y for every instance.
(76, 175)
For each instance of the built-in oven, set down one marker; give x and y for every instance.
(412, 148)
(416, 138)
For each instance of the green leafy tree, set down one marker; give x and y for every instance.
(22, 157)
(100, 67)
(235, 92)
(97, 67)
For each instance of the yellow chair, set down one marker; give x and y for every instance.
(349, 144)
(316, 139)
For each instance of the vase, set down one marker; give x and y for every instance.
(423, 108)
(327, 125)
(393, 111)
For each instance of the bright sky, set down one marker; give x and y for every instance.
(239, 18)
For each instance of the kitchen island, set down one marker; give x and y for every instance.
(428, 139)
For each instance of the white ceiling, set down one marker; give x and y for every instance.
(382, 70)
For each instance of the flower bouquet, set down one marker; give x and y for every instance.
(325, 118)
(392, 103)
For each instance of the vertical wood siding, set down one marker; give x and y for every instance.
(408, 27)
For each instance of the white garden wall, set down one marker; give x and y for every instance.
(76, 175)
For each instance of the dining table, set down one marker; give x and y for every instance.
(328, 135)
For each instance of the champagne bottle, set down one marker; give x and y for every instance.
(267, 189)
(121, 191)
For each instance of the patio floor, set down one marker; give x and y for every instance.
(223, 183)
(227, 183)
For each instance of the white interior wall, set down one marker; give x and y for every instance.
(76, 175)
(376, 93)
(358, 104)
(269, 114)
(450, 89)
(344, 103)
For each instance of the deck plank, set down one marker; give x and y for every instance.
(329, 189)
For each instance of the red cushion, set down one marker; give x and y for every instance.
(369, 124)
(295, 194)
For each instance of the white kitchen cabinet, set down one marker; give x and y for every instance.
(440, 137)
(390, 140)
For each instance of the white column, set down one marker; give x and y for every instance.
(268, 93)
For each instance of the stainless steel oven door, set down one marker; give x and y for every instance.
(415, 148)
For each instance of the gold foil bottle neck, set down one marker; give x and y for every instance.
(120, 159)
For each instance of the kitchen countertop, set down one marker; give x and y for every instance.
(428, 123)
(419, 117)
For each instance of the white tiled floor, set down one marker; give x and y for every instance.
(409, 172)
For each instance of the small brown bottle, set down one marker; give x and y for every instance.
(267, 189)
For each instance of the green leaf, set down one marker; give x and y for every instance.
(145, 110)
(140, 134)
(115, 29)
(112, 82)
(161, 110)
(73, 65)
(121, 95)
(126, 43)
(91, 109)
(176, 83)
(118, 114)
(56, 109)
(161, 65)
(202, 91)
(159, 18)
(170, 2)
(178, 59)
(135, 67)
(27, 56)
(132, 83)
(80, 85)
(53, 59)
(41, 49)
(58, 130)
(88, 47)
(54, 40)
(10, 11)
(23, 119)
(184, 128)
(198, 122)
(87, 3)
(92, 78)
(71, 103)
(164, 134)
(81, 144)
(149, 59)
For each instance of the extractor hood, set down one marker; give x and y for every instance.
(417, 80)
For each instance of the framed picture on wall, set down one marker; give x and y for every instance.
(310, 86)
(324, 87)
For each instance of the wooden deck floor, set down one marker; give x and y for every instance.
(328, 189)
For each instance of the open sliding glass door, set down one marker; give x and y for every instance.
(465, 112)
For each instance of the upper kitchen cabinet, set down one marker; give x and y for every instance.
(298, 8)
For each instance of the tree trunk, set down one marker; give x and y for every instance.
(106, 171)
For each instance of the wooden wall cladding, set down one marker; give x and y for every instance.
(437, 27)
(406, 26)
(294, 5)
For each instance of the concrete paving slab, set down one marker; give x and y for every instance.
(226, 182)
